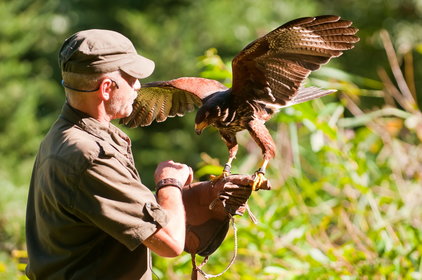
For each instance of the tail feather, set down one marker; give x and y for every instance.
(309, 93)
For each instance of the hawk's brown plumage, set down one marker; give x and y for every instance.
(267, 75)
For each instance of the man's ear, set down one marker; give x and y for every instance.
(106, 87)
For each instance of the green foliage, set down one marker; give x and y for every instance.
(27, 97)
(27, 94)
(346, 198)
(9, 268)
(198, 25)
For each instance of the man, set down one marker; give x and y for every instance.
(88, 214)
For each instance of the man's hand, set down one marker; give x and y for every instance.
(209, 206)
(233, 193)
(171, 169)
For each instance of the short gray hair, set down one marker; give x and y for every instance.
(85, 81)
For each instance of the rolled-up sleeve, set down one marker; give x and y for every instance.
(113, 200)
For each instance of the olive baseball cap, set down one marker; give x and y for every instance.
(102, 51)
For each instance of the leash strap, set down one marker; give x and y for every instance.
(197, 269)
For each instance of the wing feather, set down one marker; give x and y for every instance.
(272, 68)
(176, 109)
(160, 100)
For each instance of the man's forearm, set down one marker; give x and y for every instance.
(169, 241)
(170, 199)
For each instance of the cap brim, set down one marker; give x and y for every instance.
(138, 67)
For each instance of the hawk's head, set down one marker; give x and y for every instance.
(211, 111)
(204, 118)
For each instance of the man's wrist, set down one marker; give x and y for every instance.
(168, 182)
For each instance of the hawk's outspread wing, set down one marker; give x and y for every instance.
(267, 74)
(272, 68)
(159, 100)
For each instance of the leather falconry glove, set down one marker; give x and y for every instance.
(209, 207)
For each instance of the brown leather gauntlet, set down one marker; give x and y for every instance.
(209, 206)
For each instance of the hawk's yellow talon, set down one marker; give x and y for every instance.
(221, 176)
(258, 181)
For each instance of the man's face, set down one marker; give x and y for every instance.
(121, 99)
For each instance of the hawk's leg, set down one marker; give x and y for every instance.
(231, 143)
(263, 138)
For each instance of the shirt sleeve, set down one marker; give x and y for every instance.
(110, 197)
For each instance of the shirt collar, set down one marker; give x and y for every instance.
(93, 126)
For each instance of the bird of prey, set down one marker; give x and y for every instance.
(268, 74)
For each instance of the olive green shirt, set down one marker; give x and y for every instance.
(88, 212)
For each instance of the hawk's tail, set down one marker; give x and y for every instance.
(309, 93)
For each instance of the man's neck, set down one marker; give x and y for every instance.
(94, 109)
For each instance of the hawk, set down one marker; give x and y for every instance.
(267, 75)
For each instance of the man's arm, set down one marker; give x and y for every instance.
(169, 241)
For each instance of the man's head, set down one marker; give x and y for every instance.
(97, 51)
(100, 70)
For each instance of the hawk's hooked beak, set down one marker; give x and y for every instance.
(199, 127)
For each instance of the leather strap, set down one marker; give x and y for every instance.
(168, 182)
(198, 273)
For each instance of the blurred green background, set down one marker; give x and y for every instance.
(347, 181)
